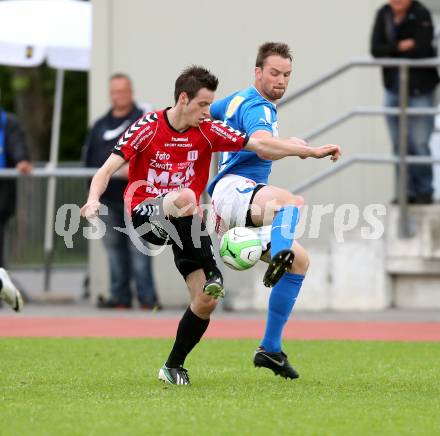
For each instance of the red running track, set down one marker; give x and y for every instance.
(234, 328)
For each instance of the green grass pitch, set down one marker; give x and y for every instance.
(110, 387)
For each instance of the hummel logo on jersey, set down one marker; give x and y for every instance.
(229, 128)
(148, 118)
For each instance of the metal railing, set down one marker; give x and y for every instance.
(364, 111)
(403, 111)
(76, 173)
(27, 230)
(359, 62)
(360, 158)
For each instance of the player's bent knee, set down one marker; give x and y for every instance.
(186, 201)
(288, 200)
(298, 200)
(187, 196)
(295, 200)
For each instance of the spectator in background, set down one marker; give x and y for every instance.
(124, 259)
(404, 29)
(13, 154)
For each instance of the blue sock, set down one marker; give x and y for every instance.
(281, 302)
(283, 229)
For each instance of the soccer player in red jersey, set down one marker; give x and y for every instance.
(169, 154)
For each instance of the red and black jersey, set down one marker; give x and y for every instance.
(162, 159)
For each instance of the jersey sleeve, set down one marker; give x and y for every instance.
(223, 137)
(257, 117)
(218, 109)
(137, 136)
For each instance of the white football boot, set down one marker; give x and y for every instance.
(9, 292)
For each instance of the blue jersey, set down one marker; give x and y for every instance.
(247, 111)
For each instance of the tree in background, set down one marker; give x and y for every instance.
(29, 93)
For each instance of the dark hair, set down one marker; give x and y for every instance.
(272, 48)
(120, 76)
(192, 80)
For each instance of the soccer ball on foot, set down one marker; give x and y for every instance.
(240, 248)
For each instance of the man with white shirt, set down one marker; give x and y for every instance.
(125, 260)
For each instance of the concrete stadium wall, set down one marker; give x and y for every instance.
(153, 42)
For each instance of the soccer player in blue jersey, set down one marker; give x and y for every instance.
(241, 195)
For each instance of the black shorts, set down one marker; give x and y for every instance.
(159, 230)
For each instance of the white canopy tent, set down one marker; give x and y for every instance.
(56, 31)
(60, 33)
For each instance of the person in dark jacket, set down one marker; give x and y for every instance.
(404, 29)
(13, 154)
(125, 260)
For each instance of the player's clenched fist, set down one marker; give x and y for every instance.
(332, 150)
(90, 209)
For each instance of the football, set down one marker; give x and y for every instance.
(240, 248)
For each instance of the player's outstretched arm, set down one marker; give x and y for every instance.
(332, 150)
(99, 184)
(272, 148)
